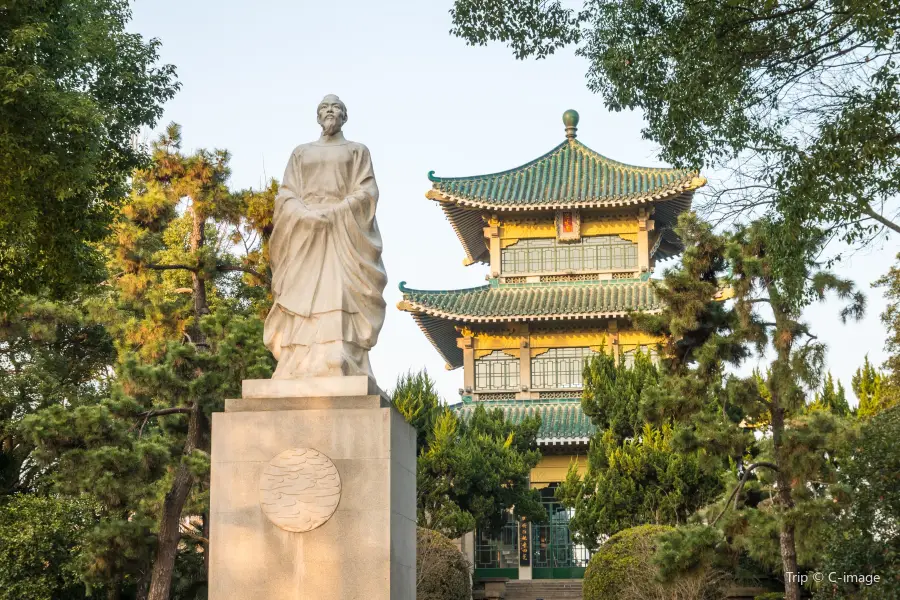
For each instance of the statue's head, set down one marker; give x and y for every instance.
(332, 114)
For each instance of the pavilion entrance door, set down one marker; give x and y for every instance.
(498, 555)
(555, 555)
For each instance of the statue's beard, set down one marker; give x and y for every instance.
(331, 126)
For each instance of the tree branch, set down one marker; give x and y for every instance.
(171, 267)
(194, 535)
(884, 221)
(227, 268)
(167, 411)
(740, 485)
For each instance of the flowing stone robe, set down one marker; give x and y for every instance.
(325, 254)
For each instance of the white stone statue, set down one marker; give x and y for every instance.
(325, 253)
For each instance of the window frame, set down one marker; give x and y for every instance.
(548, 256)
(569, 377)
(499, 365)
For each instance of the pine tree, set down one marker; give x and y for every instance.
(187, 286)
(51, 354)
(780, 474)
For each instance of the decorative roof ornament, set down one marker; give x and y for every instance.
(570, 120)
(568, 177)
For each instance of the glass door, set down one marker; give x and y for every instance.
(555, 555)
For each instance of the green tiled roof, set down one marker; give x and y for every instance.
(562, 421)
(534, 301)
(439, 312)
(571, 175)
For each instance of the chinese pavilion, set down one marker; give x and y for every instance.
(570, 240)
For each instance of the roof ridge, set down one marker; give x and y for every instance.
(405, 289)
(432, 177)
(574, 142)
(631, 166)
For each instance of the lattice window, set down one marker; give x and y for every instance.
(629, 355)
(595, 253)
(625, 275)
(498, 396)
(559, 368)
(579, 277)
(514, 279)
(497, 371)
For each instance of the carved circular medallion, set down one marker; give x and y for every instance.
(299, 489)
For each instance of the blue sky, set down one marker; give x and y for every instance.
(252, 74)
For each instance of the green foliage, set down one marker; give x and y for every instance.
(798, 100)
(872, 388)
(612, 392)
(865, 537)
(623, 569)
(635, 482)
(442, 572)
(40, 547)
(52, 354)
(778, 458)
(75, 90)
(416, 398)
(183, 310)
(831, 399)
(470, 472)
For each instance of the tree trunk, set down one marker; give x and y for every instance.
(780, 381)
(198, 279)
(783, 480)
(114, 591)
(142, 585)
(169, 528)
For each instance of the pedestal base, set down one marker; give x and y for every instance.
(366, 549)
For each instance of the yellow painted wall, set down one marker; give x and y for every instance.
(513, 229)
(554, 468)
(485, 343)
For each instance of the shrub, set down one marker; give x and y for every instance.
(442, 572)
(623, 569)
(39, 543)
(865, 538)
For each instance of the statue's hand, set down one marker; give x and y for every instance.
(317, 218)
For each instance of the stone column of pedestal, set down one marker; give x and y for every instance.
(313, 494)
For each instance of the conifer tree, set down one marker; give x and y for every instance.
(789, 462)
(830, 398)
(469, 472)
(872, 389)
(50, 354)
(634, 476)
(187, 286)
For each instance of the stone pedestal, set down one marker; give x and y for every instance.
(365, 548)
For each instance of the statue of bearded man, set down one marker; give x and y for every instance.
(325, 254)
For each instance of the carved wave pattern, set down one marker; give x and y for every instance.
(299, 489)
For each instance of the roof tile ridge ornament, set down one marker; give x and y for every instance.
(570, 120)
